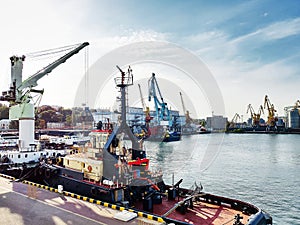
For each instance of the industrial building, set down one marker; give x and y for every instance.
(216, 123)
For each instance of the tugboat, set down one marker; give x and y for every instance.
(108, 169)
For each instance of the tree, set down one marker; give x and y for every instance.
(4, 111)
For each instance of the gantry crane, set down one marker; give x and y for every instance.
(271, 111)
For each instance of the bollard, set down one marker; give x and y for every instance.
(60, 189)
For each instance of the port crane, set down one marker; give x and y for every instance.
(163, 116)
(20, 95)
(296, 106)
(255, 116)
(145, 108)
(260, 111)
(271, 111)
(234, 120)
(188, 119)
(142, 98)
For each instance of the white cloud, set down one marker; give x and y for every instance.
(274, 31)
(243, 81)
(282, 29)
(29, 26)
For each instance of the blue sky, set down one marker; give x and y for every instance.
(251, 47)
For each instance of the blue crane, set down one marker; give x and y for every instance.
(161, 108)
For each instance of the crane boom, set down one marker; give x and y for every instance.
(234, 120)
(32, 80)
(142, 98)
(250, 108)
(255, 116)
(162, 111)
(182, 102)
(188, 119)
(20, 98)
(271, 110)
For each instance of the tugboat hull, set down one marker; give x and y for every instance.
(171, 203)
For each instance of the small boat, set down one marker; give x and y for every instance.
(109, 169)
(191, 130)
(163, 134)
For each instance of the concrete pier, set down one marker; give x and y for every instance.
(22, 204)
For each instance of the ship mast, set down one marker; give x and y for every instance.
(123, 82)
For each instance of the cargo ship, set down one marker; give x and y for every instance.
(110, 170)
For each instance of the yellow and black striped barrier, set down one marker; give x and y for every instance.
(91, 200)
(113, 206)
(7, 176)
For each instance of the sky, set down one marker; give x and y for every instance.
(252, 48)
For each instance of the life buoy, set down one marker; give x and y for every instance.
(90, 168)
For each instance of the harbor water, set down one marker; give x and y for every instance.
(263, 169)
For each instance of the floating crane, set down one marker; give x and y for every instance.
(20, 95)
(271, 111)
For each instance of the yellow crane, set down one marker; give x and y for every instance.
(145, 108)
(255, 116)
(271, 111)
(296, 106)
(234, 120)
(188, 119)
(260, 111)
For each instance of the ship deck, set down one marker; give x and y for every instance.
(202, 212)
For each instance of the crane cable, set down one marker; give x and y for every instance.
(50, 52)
